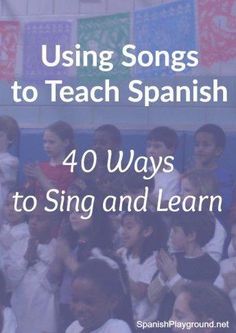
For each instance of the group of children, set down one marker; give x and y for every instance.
(112, 272)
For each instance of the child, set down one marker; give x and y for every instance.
(201, 303)
(189, 233)
(202, 182)
(33, 297)
(100, 181)
(143, 235)
(7, 318)
(106, 137)
(15, 228)
(58, 142)
(9, 135)
(79, 239)
(134, 186)
(210, 143)
(163, 142)
(100, 299)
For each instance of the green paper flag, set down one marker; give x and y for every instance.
(104, 33)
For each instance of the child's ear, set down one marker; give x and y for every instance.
(147, 232)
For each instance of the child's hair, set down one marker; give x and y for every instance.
(159, 236)
(65, 132)
(203, 180)
(112, 281)
(166, 135)
(210, 303)
(99, 232)
(134, 182)
(217, 133)
(54, 217)
(200, 222)
(112, 132)
(10, 126)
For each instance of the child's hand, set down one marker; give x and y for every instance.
(166, 264)
(33, 171)
(31, 254)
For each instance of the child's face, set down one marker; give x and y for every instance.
(39, 225)
(4, 142)
(91, 306)
(132, 232)
(54, 146)
(157, 149)
(102, 142)
(182, 313)
(233, 236)
(206, 151)
(77, 223)
(11, 215)
(178, 239)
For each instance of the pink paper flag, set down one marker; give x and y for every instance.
(9, 34)
(217, 30)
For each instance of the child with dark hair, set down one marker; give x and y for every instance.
(7, 318)
(100, 181)
(134, 187)
(79, 237)
(106, 137)
(101, 301)
(201, 182)
(143, 235)
(58, 141)
(210, 142)
(200, 304)
(189, 233)
(162, 142)
(33, 297)
(9, 135)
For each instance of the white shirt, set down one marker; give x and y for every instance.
(141, 272)
(168, 182)
(8, 175)
(110, 326)
(9, 236)
(216, 245)
(33, 299)
(9, 321)
(226, 266)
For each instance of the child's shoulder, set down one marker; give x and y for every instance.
(9, 158)
(226, 265)
(114, 326)
(75, 327)
(111, 326)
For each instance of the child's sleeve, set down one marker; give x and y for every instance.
(157, 289)
(8, 169)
